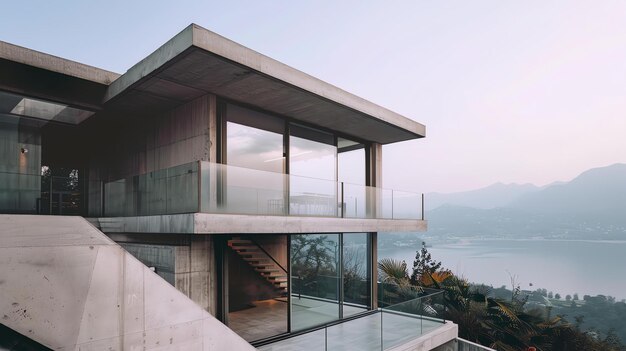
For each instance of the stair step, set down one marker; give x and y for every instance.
(247, 251)
(267, 270)
(275, 278)
(239, 242)
(252, 254)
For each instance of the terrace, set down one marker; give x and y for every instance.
(406, 324)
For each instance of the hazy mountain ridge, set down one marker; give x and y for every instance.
(592, 205)
(495, 195)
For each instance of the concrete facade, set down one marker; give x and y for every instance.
(148, 134)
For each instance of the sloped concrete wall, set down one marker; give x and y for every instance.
(67, 286)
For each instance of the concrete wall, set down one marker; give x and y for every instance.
(133, 145)
(195, 274)
(187, 262)
(67, 286)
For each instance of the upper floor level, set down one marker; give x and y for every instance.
(260, 134)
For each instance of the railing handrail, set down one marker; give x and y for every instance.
(268, 255)
(440, 292)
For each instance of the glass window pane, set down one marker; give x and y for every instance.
(314, 156)
(257, 285)
(351, 162)
(315, 279)
(356, 273)
(254, 148)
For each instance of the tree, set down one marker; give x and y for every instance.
(424, 267)
(575, 296)
(550, 295)
(393, 271)
(557, 296)
(568, 298)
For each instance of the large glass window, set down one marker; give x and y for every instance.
(254, 140)
(313, 159)
(312, 153)
(356, 273)
(257, 285)
(350, 161)
(315, 280)
(330, 277)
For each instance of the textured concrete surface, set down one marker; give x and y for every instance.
(207, 223)
(198, 61)
(67, 286)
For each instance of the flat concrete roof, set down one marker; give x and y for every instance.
(35, 74)
(57, 64)
(197, 61)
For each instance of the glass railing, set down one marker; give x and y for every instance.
(36, 194)
(406, 320)
(168, 191)
(387, 328)
(217, 188)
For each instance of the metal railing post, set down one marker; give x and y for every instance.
(342, 203)
(326, 338)
(422, 206)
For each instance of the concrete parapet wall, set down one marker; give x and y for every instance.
(67, 286)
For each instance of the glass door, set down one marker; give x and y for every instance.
(330, 277)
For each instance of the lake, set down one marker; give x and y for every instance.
(561, 266)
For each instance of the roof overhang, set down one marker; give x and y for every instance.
(35, 74)
(197, 61)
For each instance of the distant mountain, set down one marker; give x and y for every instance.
(493, 196)
(597, 193)
(591, 206)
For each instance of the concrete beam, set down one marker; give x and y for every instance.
(207, 223)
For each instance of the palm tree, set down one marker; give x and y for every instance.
(393, 271)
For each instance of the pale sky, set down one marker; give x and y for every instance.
(524, 92)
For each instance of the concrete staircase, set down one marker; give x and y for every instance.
(261, 262)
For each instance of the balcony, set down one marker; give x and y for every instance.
(215, 193)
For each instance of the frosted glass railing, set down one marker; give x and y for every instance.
(391, 327)
(217, 188)
(403, 321)
(168, 191)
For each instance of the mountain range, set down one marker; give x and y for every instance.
(592, 204)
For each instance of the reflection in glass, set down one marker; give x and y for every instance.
(254, 148)
(312, 154)
(356, 276)
(350, 162)
(315, 280)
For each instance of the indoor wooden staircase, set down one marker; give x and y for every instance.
(261, 262)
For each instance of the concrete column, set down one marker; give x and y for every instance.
(375, 179)
(376, 165)
(375, 176)
(213, 125)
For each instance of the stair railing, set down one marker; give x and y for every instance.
(268, 255)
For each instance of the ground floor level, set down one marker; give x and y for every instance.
(266, 285)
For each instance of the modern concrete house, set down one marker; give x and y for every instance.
(208, 198)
